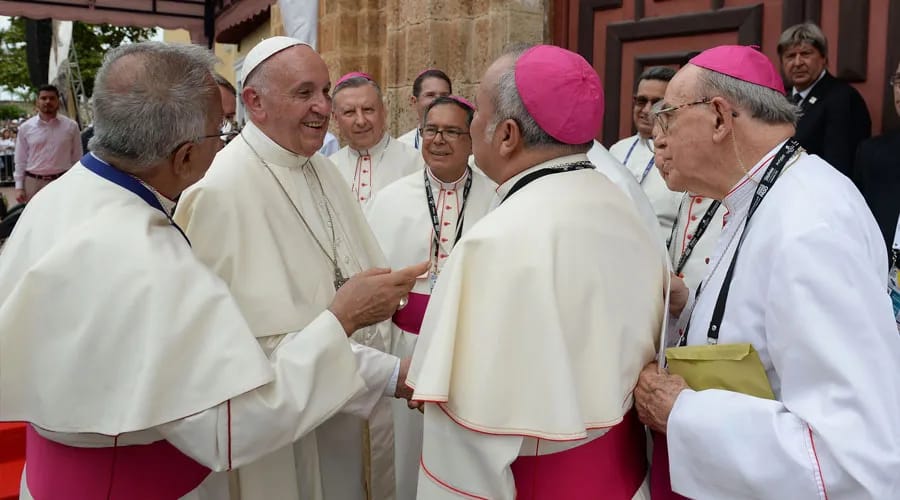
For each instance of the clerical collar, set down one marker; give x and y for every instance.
(377, 149)
(446, 185)
(806, 92)
(738, 199)
(504, 188)
(271, 151)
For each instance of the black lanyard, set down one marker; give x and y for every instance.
(695, 237)
(125, 181)
(435, 221)
(790, 148)
(528, 179)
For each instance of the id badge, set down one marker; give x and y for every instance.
(894, 292)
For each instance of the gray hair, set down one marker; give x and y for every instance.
(223, 82)
(143, 112)
(803, 33)
(508, 105)
(762, 103)
(660, 73)
(355, 82)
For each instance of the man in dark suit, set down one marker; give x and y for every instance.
(835, 118)
(878, 174)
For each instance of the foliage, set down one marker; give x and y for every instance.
(11, 112)
(91, 43)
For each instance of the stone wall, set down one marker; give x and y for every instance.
(394, 40)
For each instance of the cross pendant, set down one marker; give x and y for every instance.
(339, 279)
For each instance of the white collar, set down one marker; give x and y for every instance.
(268, 149)
(737, 201)
(377, 149)
(503, 189)
(447, 186)
(806, 92)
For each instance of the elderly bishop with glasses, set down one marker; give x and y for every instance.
(784, 382)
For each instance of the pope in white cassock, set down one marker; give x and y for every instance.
(428, 86)
(275, 221)
(419, 218)
(372, 159)
(636, 152)
(545, 311)
(131, 360)
(806, 290)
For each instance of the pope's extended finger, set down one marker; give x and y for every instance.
(413, 271)
(375, 271)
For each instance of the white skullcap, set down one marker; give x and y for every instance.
(264, 50)
(257, 55)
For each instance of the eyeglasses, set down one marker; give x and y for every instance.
(641, 101)
(895, 80)
(449, 134)
(223, 136)
(663, 114)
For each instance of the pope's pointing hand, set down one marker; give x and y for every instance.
(373, 295)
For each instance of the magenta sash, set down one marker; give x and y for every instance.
(409, 319)
(156, 471)
(660, 485)
(611, 467)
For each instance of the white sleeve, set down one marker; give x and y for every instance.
(378, 369)
(315, 375)
(461, 463)
(835, 350)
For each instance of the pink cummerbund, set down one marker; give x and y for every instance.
(156, 471)
(611, 467)
(409, 319)
(660, 485)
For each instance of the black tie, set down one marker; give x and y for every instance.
(797, 98)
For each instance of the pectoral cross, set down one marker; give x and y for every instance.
(339, 279)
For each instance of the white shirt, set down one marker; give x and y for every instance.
(634, 152)
(412, 138)
(804, 93)
(367, 172)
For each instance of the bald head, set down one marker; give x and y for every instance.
(149, 98)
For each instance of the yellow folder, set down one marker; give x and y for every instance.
(732, 367)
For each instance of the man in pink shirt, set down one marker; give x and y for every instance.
(48, 144)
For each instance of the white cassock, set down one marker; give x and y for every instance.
(808, 293)
(368, 172)
(401, 221)
(412, 138)
(546, 313)
(330, 145)
(690, 215)
(608, 165)
(114, 335)
(243, 221)
(634, 152)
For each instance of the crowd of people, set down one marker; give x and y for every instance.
(492, 305)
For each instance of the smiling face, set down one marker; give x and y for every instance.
(291, 104)
(447, 153)
(360, 115)
(802, 64)
(432, 88)
(649, 92)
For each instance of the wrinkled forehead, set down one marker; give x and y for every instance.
(683, 86)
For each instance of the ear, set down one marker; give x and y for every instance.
(413, 100)
(253, 103)
(725, 115)
(182, 158)
(510, 137)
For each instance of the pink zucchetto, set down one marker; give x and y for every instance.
(562, 92)
(353, 74)
(745, 63)
(462, 100)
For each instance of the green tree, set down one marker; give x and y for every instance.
(91, 43)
